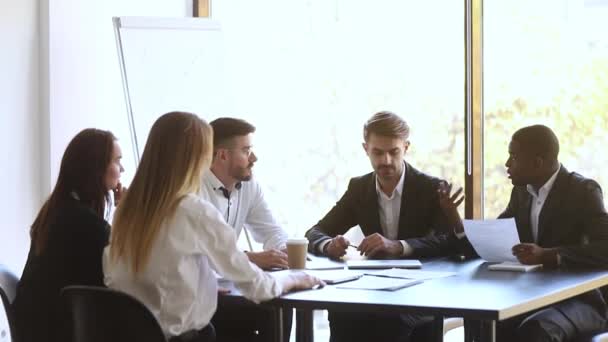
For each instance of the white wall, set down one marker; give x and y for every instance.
(85, 82)
(19, 128)
(59, 74)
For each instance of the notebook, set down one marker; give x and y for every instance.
(332, 277)
(379, 283)
(513, 267)
(383, 263)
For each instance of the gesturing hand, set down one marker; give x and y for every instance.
(449, 204)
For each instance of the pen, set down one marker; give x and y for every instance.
(353, 246)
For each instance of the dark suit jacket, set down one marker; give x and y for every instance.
(573, 220)
(422, 223)
(73, 255)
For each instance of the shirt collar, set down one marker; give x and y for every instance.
(546, 188)
(215, 182)
(399, 188)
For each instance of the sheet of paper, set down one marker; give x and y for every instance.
(336, 276)
(409, 274)
(378, 283)
(514, 267)
(493, 239)
(383, 263)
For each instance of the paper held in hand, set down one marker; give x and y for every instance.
(493, 240)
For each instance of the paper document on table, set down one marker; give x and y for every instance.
(409, 274)
(514, 267)
(383, 263)
(378, 283)
(336, 276)
(493, 239)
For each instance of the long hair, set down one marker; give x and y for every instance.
(82, 171)
(177, 151)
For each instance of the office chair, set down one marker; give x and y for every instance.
(97, 314)
(8, 291)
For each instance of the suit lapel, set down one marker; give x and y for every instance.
(552, 203)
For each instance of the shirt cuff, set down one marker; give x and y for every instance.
(322, 245)
(460, 235)
(407, 249)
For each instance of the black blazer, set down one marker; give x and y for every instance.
(73, 255)
(422, 223)
(573, 220)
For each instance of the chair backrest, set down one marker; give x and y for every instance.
(97, 314)
(8, 284)
(8, 291)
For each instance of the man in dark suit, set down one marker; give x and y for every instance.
(398, 211)
(562, 222)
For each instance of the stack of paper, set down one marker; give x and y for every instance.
(513, 266)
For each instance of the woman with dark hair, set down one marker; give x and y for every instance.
(68, 234)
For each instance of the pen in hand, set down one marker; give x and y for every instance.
(353, 246)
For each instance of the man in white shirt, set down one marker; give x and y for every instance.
(230, 187)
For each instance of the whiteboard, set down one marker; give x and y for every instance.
(169, 64)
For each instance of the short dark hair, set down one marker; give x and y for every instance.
(538, 140)
(386, 124)
(225, 129)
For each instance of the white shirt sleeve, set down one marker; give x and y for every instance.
(262, 224)
(217, 240)
(407, 249)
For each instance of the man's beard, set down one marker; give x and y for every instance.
(243, 174)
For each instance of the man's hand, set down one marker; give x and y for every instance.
(449, 204)
(336, 248)
(266, 260)
(377, 245)
(532, 254)
(118, 193)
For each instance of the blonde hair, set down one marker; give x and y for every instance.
(179, 148)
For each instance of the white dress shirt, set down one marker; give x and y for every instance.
(247, 208)
(178, 284)
(538, 201)
(389, 210)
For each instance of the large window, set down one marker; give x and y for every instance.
(545, 61)
(309, 73)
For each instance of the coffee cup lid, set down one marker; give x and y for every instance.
(297, 241)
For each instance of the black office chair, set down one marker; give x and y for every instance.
(8, 291)
(97, 314)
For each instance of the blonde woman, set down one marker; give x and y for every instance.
(166, 241)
